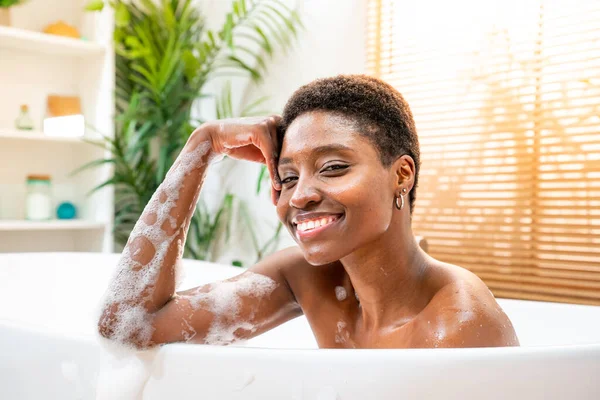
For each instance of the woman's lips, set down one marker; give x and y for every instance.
(314, 227)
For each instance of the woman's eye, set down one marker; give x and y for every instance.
(288, 180)
(334, 167)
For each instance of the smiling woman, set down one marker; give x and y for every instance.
(344, 164)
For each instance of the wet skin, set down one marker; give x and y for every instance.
(396, 296)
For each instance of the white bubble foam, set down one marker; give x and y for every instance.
(341, 335)
(340, 293)
(188, 332)
(129, 286)
(123, 373)
(223, 300)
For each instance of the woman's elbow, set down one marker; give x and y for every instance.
(114, 327)
(108, 325)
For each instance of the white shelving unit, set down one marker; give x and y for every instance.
(23, 39)
(55, 225)
(34, 65)
(37, 136)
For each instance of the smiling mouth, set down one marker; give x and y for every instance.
(313, 226)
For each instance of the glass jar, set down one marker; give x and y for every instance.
(24, 121)
(39, 198)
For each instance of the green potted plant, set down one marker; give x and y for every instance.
(164, 56)
(5, 10)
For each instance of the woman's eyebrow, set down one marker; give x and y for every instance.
(319, 150)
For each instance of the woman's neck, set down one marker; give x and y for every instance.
(387, 276)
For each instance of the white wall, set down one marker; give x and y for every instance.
(332, 43)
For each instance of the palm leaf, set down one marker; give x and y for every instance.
(164, 57)
(262, 176)
(252, 108)
(92, 164)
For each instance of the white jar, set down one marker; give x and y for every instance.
(39, 198)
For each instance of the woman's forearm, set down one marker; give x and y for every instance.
(146, 273)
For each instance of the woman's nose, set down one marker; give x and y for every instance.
(304, 194)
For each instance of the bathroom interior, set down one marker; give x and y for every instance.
(98, 97)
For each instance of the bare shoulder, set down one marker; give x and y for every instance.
(464, 313)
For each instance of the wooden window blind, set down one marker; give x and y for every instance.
(506, 99)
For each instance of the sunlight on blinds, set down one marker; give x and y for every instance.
(506, 99)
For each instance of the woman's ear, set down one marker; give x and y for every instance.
(405, 172)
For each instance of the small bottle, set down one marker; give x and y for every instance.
(39, 198)
(24, 121)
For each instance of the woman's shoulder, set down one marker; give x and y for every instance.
(467, 310)
(444, 277)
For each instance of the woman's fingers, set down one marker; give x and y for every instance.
(274, 121)
(264, 141)
(276, 188)
(253, 139)
(248, 152)
(275, 195)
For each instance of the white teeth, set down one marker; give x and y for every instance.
(308, 225)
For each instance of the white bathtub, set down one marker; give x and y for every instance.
(49, 350)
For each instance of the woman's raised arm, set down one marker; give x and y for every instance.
(141, 307)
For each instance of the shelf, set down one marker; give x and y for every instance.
(21, 39)
(52, 225)
(36, 135)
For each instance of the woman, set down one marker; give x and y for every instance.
(344, 165)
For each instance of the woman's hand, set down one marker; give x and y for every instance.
(252, 139)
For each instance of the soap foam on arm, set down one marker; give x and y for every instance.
(229, 311)
(219, 313)
(141, 308)
(145, 276)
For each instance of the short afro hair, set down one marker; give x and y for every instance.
(379, 111)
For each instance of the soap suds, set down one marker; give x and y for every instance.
(340, 293)
(223, 300)
(188, 331)
(342, 335)
(123, 373)
(130, 285)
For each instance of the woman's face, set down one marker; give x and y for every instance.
(336, 196)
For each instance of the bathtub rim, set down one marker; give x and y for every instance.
(96, 340)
